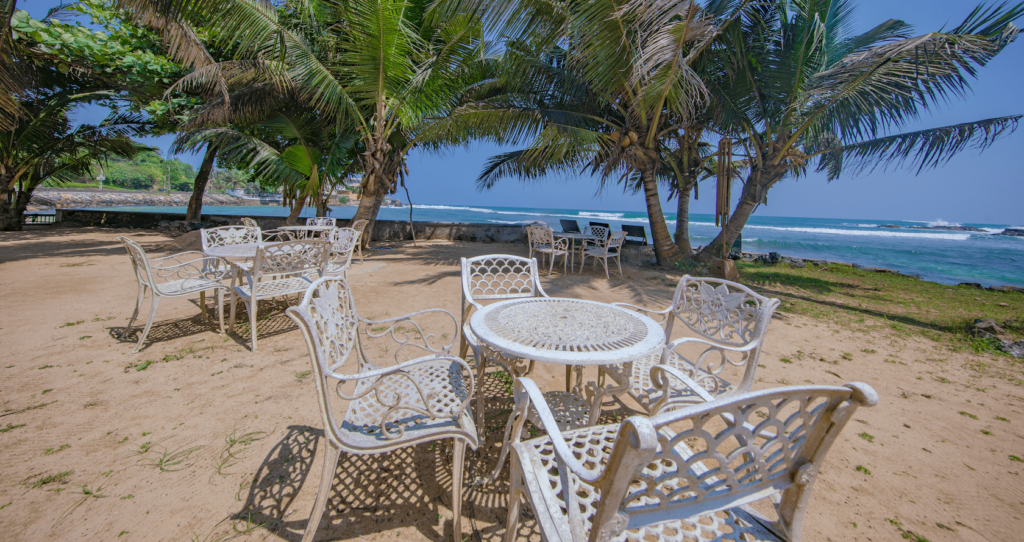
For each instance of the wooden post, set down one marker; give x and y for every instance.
(723, 267)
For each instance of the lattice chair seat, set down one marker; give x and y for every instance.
(541, 239)
(682, 475)
(411, 402)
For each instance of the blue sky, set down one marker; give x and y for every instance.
(972, 187)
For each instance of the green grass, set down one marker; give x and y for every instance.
(10, 427)
(867, 437)
(862, 468)
(41, 481)
(51, 451)
(968, 414)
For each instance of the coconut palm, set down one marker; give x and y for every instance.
(802, 90)
(601, 86)
(374, 67)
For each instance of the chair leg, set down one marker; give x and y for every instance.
(458, 465)
(234, 302)
(202, 304)
(253, 303)
(326, 481)
(138, 305)
(604, 262)
(481, 369)
(551, 263)
(618, 261)
(220, 309)
(514, 500)
(153, 304)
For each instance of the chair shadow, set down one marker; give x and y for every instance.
(166, 330)
(402, 489)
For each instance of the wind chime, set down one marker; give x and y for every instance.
(723, 267)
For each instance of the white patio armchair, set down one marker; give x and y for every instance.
(389, 407)
(230, 235)
(542, 240)
(343, 242)
(360, 226)
(270, 236)
(610, 247)
(488, 278)
(729, 323)
(279, 269)
(178, 275)
(320, 221)
(682, 475)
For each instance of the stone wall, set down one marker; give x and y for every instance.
(84, 197)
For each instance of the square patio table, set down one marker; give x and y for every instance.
(574, 237)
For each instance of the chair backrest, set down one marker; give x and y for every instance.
(570, 226)
(689, 462)
(320, 221)
(290, 258)
(635, 234)
(498, 276)
(229, 235)
(540, 235)
(249, 223)
(359, 225)
(721, 311)
(604, 225)
(601, 232)
(343, 241)
(140, 263)
(615, 241)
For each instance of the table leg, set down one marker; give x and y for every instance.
(202, 303)
(596, 392)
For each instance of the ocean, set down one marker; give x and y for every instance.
(937, 255)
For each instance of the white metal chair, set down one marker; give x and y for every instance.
(343, 241)
(494, 277)
(683, 475)
(610, 247)
(320, 221)
(729, 322)
(360, 226)
(279, 269)
(249, 223)
(542, 239)
(178, 275)
(230, 235)
(411, 402)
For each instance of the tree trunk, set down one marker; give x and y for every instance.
(664, 249)
(683, 219)
(367, 210)
(195, 204)
(12, 208)
(293, 216)
(758, 183)
(321, 204)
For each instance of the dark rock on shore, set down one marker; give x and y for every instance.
(972, 285)
(1012, 232)
(986, 327)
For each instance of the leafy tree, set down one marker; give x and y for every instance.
(801, 89)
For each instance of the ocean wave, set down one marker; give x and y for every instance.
(880, 233)
(606, 216)
(940, 222)
(454, 208)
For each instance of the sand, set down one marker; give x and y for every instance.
(934, 455)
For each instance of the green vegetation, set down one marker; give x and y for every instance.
(148, 171)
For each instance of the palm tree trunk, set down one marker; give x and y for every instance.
(758, 183)
(293, 216)
(664, 249)
(9, 219)
(195, 204)
(683, 218)
(367, 210)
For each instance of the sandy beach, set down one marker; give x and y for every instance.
(197, 438)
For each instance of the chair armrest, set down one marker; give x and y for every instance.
(209, 268)
(275, 236)
(527, 394)
(392, 326)
(648, 312)
(683, 340)
(661, 375)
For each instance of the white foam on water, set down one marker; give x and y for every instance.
(454, 208)
(608, 216)
(881, 233)
(940, 222)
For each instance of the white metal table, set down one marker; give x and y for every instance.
(308, 232)
(241, 250)
(574, 236)
(572, 332)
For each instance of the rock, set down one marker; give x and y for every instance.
(1015, 349)
(914, 276)
(735, 255)
(987, 327)
(795, 262)
(1012, 232)
(971, 285)
(774, 257)
(1007, 288)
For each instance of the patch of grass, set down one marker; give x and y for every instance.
(122, 533)
(69, 324)
(1015, 458)
(785, 360)
(229, 454)
(6, 505)
(51, 451)
(83, 337)
(862, 468)
(10, 427)
(1002, 419)
(985, 432)
(45, 367)
(968, 414)
(869, 351)
(40, 481)
(867, 437)
(128, 496)
(87, 493)
(167, 460)
(302, 375)
(44, 392)
(847, 356)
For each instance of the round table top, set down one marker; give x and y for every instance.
(567, 331)
(241, 250)
(313, 228)
(574, 235)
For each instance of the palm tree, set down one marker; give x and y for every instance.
(606, 87)
(801, 88)
(374, 67)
